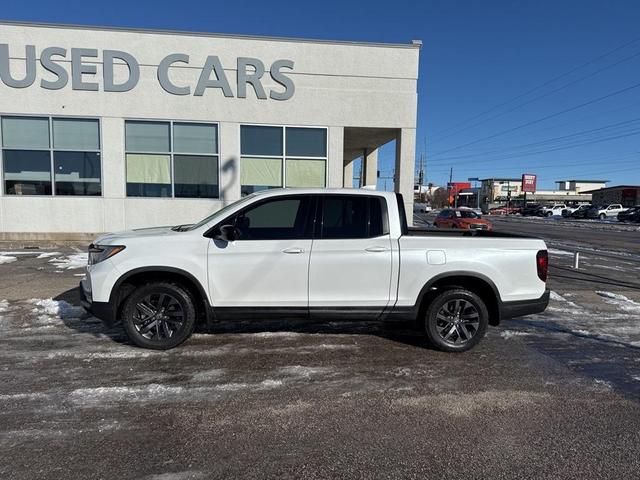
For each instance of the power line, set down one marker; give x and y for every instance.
(541, 142)
(541, 96)
(533, 122)
(548, 82)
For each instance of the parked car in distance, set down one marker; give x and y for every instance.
(566, 212)
(630, 215)
(605, 211)
(552, 210)
(421, 207)
(581, 211)
(531, 210)
(463, 218)
(477, 211)
(504, 210)
(313, 253)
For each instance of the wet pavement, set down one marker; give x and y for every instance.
(548, 396)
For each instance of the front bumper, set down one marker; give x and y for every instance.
(524, 307)
(102, 310)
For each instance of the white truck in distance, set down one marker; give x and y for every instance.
(313, 254)
(605, 211)
(552, 210)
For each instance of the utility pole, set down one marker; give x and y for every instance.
(449, 187)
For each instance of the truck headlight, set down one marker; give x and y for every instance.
(99, 253)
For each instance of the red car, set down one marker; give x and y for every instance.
(461, 218)
(504, 210)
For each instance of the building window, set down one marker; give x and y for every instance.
(45, 156)
(171, 159)
(274, 157)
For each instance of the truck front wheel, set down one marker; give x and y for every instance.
(159, 315)
(456, 320)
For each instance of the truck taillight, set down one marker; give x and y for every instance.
(542, 262)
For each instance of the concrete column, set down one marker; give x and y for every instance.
(405, 167)
(370, 165)
(348, 175)
(335, 157)
(114, 180)
(229, 162)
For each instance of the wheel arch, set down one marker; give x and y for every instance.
(475, 282)
(127, 282)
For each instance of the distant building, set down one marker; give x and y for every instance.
(494, 190)
(627, 195)
(579, 186)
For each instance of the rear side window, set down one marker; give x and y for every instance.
(357, 216)
(277, 219)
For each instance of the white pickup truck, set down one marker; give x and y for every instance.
(313, 253)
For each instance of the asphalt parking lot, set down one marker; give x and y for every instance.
(554, 395)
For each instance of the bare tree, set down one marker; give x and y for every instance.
(439, 198)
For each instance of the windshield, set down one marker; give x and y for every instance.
(221, 213)
(466, 214)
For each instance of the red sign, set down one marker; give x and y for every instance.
(528, 182)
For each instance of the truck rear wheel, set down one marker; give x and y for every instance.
(456, 320)
(159, 315)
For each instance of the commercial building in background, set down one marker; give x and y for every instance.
(494, 192)
(581, 185)
(626, 195)
(106, 129)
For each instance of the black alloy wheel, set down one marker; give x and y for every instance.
(159, 315)
(456, 320)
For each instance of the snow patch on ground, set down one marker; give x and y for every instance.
(7, 259)
(55, 308)
(69, 262)
(48, 254)
(302, 371)
(620, 301)
(555, 251)
(4, 306)
(508, 334)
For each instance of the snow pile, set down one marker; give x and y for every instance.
(4, 306)
(620, 301)
(70, 262)
(7, 259)
(55, 308)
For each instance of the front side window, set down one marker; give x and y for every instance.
(44, 156)
(278, 219)
(273, 157)
(171, 159)
(355, 216)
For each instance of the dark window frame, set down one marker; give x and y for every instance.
(51, 150)
(172, 153)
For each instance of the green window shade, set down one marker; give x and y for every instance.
(147, 136)
(148, 168)
(195, 138)
(76, 134)
(261, 171)
(195, 170)
(305, 173)
(25, 132)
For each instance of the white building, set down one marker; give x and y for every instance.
(106, 129)
(581, 185)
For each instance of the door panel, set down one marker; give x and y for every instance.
(350, 273)
(351, 259)
(259, 273)
(268, 265)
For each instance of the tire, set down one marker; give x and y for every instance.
(441, 322)
(176, 308)
(602, 216)
(548, 214)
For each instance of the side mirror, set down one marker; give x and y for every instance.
(228, 233)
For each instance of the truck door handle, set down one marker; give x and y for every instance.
(376, 249)
(294, 250)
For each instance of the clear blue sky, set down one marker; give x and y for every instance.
(476, 56)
